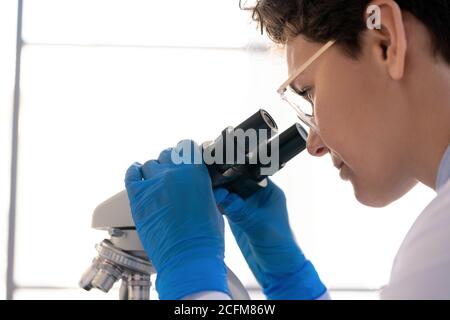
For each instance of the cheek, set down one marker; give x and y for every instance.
(353, 113)
(347, 111)
(336, 117)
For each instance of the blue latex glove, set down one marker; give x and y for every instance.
(261, 227)
(179, 225)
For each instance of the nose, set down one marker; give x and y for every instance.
(315, 145)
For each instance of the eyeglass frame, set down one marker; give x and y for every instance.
(305, 118)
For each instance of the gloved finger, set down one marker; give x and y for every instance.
(187, 152)
(150, 168)
(230, 204)
(220, 194)
(133, 173)
(165, 157)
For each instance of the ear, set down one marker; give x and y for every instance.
(389, 40)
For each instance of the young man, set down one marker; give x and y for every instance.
(380, 104)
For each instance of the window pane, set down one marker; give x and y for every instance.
(8, 18)
(211, 23)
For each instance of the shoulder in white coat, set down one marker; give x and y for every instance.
(422, 266)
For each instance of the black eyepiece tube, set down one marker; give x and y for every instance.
(246, 178)
(260, 120)
(260, 124)
(292, 142)
(288, 144)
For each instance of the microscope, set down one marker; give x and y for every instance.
(240, 160)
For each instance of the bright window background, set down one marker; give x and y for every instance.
(106, 83)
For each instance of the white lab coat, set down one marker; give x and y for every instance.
(421, 269)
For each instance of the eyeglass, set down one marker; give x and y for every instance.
(305, 111)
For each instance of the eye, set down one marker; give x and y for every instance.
(308, 94)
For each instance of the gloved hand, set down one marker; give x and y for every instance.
(261, 228)
(179, 224)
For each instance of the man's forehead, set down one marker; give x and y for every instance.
(298, 51)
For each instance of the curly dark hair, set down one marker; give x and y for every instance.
(343, 20)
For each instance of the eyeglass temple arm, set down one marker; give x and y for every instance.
(304, 66)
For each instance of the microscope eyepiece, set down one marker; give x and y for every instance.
(263, 158)
(291, 143)
(260, 120)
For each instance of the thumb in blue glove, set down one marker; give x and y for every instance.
(260, 225)
(179, 225)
